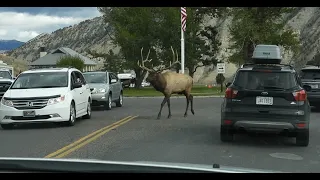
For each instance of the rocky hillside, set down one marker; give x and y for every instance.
(90, 35)
(87, 35)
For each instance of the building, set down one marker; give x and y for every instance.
(48, 60)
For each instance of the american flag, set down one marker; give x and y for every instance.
(183, 18)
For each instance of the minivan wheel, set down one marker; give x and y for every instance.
(7, 126)
(119, 102)
(302, 138)
(72, 118)
(88, 115)
(225, 135)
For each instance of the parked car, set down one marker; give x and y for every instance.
(46, 95)
(6, 79)
(266, 96)
(106, 88)
(310, 77)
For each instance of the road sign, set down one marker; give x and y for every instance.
(221, 68)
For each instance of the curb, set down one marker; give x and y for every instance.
(161, 97)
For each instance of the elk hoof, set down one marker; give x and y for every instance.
(158, 117)
(185, 115)
(192, 112)
(169, 116)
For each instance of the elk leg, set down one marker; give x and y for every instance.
(187, 98)
(168, 103)
(191, 100)
(165, 99)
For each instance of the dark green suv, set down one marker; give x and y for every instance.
(266, 96)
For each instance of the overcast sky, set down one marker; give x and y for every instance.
(25, 23)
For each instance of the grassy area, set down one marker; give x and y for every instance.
(150, 91)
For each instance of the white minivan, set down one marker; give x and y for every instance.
(46, 95)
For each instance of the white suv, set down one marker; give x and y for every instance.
(46, 95)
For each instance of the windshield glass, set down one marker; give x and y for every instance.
(5, 75)
(310, 74)
(41, 80)
(143, 85)
(256, 80)
(95, 77)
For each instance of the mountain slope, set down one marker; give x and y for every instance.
(6, 45)
(87, 35)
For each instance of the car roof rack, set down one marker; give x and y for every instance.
(252, 64)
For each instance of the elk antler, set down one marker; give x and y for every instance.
(175, 61)
(143, 61)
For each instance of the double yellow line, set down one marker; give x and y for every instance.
(63, 152)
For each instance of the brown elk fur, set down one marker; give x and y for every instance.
(170, 83)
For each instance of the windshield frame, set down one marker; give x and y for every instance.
(90, 73)
(33, 73)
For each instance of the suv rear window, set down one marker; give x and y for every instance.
(310, 74)
(256, 80)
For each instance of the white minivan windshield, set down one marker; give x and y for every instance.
(41, 80)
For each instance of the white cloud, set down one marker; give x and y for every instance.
(24, 26)
(27, 34)
(3, 32)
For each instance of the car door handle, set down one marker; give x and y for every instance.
(81, 92)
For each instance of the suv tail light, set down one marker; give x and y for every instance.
(300, 95)
(231, 93)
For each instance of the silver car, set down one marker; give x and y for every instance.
(105, 87)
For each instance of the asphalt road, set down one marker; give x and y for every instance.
(194, 139)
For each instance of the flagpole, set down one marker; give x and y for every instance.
(183, 28)
(182, 51)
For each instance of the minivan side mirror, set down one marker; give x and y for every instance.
(228, 84)
(77, 85)
(113, 80)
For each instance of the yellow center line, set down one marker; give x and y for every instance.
(64, 154)
(85, 138)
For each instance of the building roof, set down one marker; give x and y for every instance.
(55, 55)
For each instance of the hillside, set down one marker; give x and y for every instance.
(87, 35)
(6, 45)
(90, 35)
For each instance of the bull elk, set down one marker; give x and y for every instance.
(169, 82)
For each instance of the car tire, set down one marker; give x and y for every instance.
(108, 104)
(88, 115)
(302, 138)
(72, 117)
(119, 102)
(225, 135)
(7, 126)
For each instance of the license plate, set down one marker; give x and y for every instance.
(314, 86)
(29, 113)
(264, 100)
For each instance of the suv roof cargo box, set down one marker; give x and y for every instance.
(266, 54)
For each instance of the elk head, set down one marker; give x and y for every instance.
(152, 72)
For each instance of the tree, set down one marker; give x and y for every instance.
(260, 25)
(159, 29)
(132, 29)
(73, 61)
(201, 44)
(112, 62)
